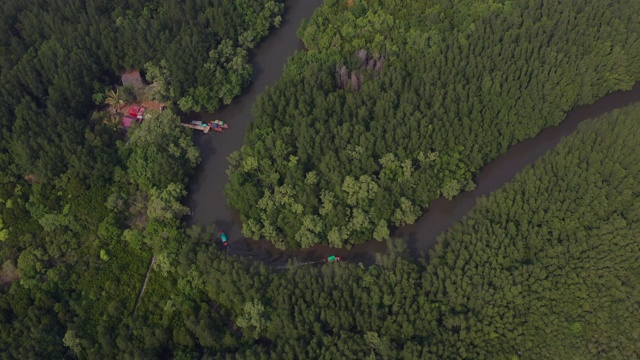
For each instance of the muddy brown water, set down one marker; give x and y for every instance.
(442, 213)
(206, 190)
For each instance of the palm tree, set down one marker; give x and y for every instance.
(112, 120)
(115, 99)
(107, 118)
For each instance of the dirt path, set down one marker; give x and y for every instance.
(144, 286)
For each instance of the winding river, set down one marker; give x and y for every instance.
(206, 191)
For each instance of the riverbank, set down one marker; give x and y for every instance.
(207, 188)
(442, 213)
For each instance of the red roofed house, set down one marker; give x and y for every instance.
(136, 112)
(132, 113)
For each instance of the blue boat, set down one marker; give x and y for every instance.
(223, 238)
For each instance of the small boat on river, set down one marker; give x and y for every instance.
(218, 123)
(223, 238)
(215, 125)
(331, 259)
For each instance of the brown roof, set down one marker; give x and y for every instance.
(148, 105)
(152, 105)
(31, 178)
(132, 78)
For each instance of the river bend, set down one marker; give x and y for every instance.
(206, 190)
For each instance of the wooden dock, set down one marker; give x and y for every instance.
(198, 125)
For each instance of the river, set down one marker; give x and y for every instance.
(206, 190)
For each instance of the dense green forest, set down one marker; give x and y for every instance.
(84, 210)
(543, 268)
(57, 55)
(398, 103)
(547, 266)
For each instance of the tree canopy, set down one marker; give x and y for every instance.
(84, 209)
(396, 104)
(57, 55)
(546, 267)
(96, 262)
